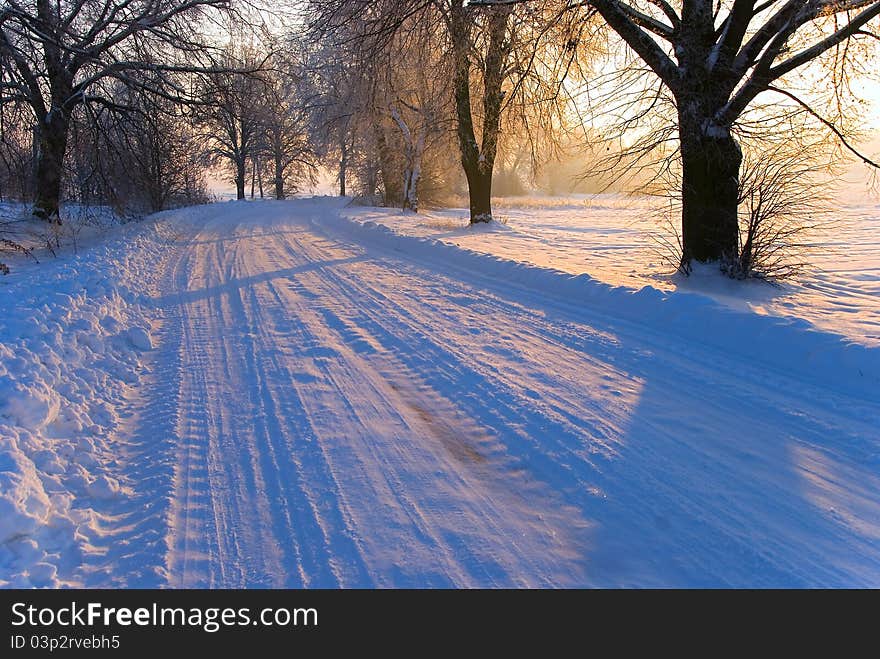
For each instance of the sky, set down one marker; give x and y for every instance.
(871, 92)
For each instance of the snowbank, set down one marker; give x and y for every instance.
(787, 345)
(72, 332)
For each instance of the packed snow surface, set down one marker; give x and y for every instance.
(297, 393)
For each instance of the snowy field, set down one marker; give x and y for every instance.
(617, 239)
(294, 394)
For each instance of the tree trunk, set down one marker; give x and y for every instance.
(478, 160)
(53, 133)
(279, 178)
(343, 167)
(411, 189)
(480, 194)
(710, 196)
(240, 178)
(413, 151)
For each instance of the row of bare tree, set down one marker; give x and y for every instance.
(143, 154)
(720, 98)
(129, 103)
(406, 84)
(734, 105)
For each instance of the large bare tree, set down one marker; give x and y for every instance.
(478, 157)
(58, 55)
(715, 57)
(490, 50)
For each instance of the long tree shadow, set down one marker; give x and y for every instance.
(194, 295)
(710, 488)
(700, 479)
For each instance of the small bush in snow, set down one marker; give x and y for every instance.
(781, 204)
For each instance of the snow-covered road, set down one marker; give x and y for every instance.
(327, 425)
(270, 395)
(342, 416)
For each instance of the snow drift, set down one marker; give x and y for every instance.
(71, 337)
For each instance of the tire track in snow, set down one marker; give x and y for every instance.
(340, 373)
(466, 450)
(197, 526)
(341, 424)
(731, 518)
(300, 519)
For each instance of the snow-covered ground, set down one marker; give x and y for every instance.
(72, 331)
(274, 394)
(618, 239)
